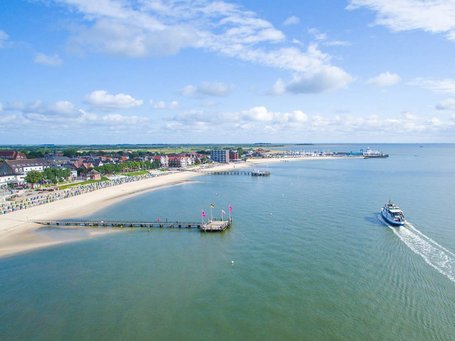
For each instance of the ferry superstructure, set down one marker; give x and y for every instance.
(374, 154)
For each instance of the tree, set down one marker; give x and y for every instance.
(38, 153)
(33, 177)
(56, 175)
(70, 152)
(156, 164)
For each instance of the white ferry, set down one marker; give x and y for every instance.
(392, 214)
(373, 154)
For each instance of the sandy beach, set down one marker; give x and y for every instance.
(18, 233)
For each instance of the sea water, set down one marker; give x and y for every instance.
(307, 257)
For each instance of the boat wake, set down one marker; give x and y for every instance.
(434, 254)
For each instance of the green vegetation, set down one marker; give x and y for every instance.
(35, 153)
(52, 175)
(33, 177)
(70, 152)
(82, 183)
(56, 175)
(136, 173)
(127, 166)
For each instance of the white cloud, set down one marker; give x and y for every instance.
(442, 85)
(122, 119)
(164, 105)
(292, 20)
(336, 43)
(39, 107)
(385, 79)
(63, 107)
(216, 89)
(110, 120)
(61, 116)
(51, 60)
(158, 104)
(323, 39)
(436, 122)
(255, 119)
(317, 34)
(173, 105)
(101, 99)
(447, 104)
(259, 114)
(260, 120)
(435, 16)
(278, 88)
(166, 27)
(11, 119)
(326, 79)
(3, 39)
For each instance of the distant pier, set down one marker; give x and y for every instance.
(209, 226)
(241, 172)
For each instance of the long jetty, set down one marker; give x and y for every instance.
(209, 226)
(241, 172)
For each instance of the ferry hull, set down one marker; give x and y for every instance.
(382, 156)
(391, 221)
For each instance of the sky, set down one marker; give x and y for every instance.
(177, 71)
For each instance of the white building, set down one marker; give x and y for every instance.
(16, 170)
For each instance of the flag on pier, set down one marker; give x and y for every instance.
(230, 212)
(223, 212)
(203, 214)
(212, 205)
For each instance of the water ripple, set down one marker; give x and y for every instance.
(432, 252)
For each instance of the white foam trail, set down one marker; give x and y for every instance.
(409, 225)
(433, 254)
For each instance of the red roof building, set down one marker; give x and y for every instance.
(12, 155)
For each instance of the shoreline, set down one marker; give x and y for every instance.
(19, 234)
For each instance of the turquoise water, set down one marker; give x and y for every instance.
(306, 258)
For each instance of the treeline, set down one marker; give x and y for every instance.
(127, 166)
(50, 175)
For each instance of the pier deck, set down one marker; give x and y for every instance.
(210, 226)
(215, 226)
(241, 172)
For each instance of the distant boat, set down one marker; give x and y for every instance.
(374, 154)
(392, 214)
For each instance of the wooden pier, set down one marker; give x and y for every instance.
(209, 226)
(241, 172)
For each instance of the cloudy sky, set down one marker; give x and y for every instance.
(168, 71)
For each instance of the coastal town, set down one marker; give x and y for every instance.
(31, 168)
(29, 178)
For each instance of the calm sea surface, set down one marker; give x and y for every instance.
(307, 258)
